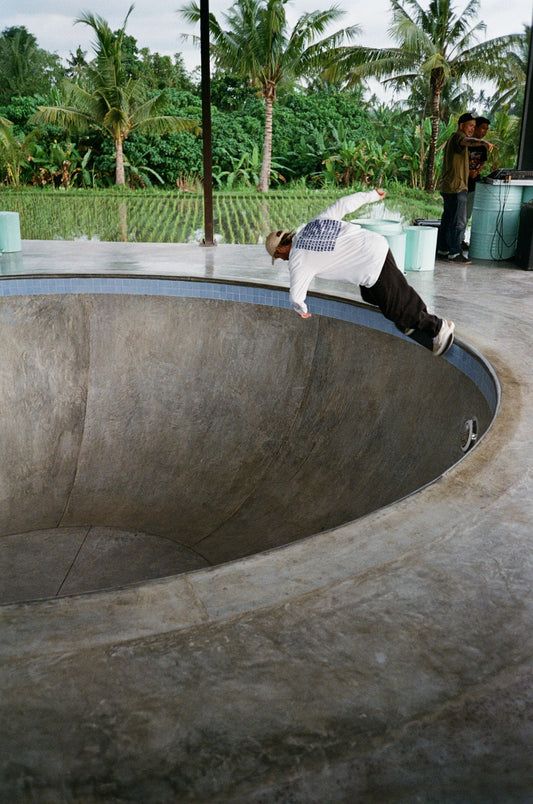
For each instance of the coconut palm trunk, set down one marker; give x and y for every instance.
(264, 178)
(432, 150)
(120, 176)
(419, 178)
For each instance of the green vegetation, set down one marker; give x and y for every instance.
(259, 48)
(25, 69)
(436, 46)
(174, 217)
(114, 103)
(131, 117)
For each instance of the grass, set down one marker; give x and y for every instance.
(240, 216)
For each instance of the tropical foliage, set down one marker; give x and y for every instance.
(127, 113)
(25, 69)
(15, 152)
(436, 45)
(510, 89)
(114, 103)
(162, 217)
(258, 46)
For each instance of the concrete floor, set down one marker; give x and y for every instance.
(387, 660)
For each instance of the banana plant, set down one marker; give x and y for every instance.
(15, 154)
(245, 171)
(62, 166)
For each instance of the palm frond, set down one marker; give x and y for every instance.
(71, 118)
(167, 124)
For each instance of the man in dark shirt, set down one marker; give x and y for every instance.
(477, 156)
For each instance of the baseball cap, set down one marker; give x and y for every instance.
(273, 240)
(465, 118)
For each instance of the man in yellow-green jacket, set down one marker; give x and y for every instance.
(454, 189)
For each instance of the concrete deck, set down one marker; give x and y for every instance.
(389, 659)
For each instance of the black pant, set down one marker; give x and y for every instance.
(401, 304)
(453, 222)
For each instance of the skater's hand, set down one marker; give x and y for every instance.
(381, 193)
(305, 315)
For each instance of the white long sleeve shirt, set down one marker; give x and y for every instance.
(331, 248)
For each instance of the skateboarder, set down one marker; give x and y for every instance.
(331, 248)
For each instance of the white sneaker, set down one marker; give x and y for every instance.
(444, 339)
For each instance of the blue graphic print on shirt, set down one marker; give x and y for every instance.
(319, 235)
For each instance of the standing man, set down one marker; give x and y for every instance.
(477, 157)
(340, 250)
(454, 189)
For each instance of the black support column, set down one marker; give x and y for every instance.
(206, 124)
(525, 149)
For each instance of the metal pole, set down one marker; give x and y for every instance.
(206, 123)
(525, 149)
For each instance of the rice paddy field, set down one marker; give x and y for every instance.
(158, 217)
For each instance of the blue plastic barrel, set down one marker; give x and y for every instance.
(527, 195)
(420, 248)
(10, 231)
(396, 238)
(375, 224)
(392, 231)
(495, 220)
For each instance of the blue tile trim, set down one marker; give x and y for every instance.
(461, 356)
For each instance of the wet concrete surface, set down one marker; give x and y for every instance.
(388, 659)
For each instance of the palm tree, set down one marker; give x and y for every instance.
(510, 94)
(438, 45)
(25, 69)
(77, 65)
(113, 103)
(258, 46)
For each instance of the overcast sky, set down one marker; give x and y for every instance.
(156, 24)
